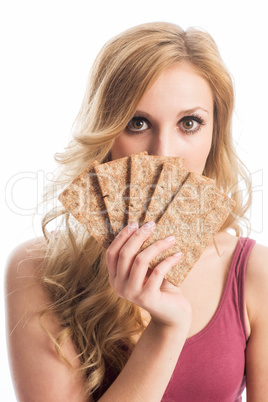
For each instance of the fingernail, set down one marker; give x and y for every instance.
(170, 238)
(133, 225)
(177, 254)
(149, 224)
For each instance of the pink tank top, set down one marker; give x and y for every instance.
(211, 366)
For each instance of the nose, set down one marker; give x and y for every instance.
(162, 144)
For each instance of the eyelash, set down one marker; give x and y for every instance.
(198, 119)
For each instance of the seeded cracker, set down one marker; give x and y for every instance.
(83, 199)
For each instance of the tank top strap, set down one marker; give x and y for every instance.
(237, 273)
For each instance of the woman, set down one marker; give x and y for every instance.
(85, 324)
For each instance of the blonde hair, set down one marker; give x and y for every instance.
(102, 325)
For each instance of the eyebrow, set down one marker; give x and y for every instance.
(182, 113)
(190, 111)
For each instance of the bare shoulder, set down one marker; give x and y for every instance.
(258, 256)
(257, 267)
(256, 292)
(257, 281)
(24, 267)
(24, 264)
(38, 373)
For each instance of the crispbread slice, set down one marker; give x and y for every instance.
(83, 199)
(169, 182)
(145, 170)
(114, 179)
(193, 217)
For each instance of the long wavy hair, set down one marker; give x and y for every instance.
(102, 325)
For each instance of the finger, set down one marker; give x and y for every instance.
(157, 277)
(128, 252)
(139, 271)
(113, 250)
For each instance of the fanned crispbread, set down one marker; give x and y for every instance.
(184, 204)
(145, 170)
(193, 217)
(83, 199)
(114, 181)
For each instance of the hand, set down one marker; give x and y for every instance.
(134, 281)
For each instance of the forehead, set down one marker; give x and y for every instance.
(180, 85)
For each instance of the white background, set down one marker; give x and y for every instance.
(47, 48)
